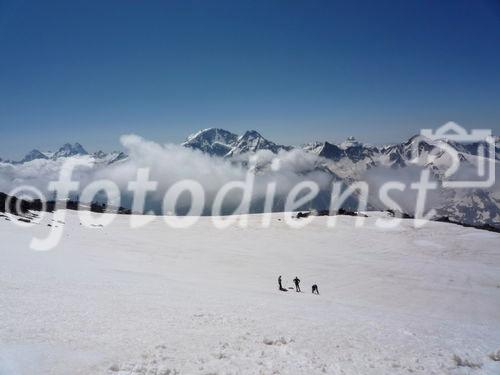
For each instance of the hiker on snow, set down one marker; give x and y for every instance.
(279, 283)
(315, 289)
(296, 281)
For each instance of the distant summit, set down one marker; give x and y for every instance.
(220, 142)
(213, 141)
(253, 141)
(326, 150)
(33, 155)
(68, 150)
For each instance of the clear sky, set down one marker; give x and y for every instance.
(296, 71)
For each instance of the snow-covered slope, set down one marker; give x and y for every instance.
(155, 300)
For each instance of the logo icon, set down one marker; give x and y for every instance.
(443, 141)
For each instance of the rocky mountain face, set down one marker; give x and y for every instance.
(471, 206)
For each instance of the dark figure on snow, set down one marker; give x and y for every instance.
(296, 281)
(279, 283)
(315, 289)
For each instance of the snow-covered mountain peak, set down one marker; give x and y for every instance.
(417, 138)
(99, 154)
(220, 142)
(326, 150)
(251, 134)
(68, 150)
(212, 135)
(310, 146)
(253, 141)
(108, 158)
(213, 141)
(115, 156)
(33, 155)
(252, 138)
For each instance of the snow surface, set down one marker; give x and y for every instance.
(158, 300)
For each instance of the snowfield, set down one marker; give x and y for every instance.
(158, 300)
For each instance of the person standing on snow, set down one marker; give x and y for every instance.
(296, 281)
(315, 289)
(279, 283)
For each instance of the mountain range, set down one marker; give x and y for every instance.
(349, 161)
(222, 143)
(69, 150)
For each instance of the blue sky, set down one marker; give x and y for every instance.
(296, 71)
